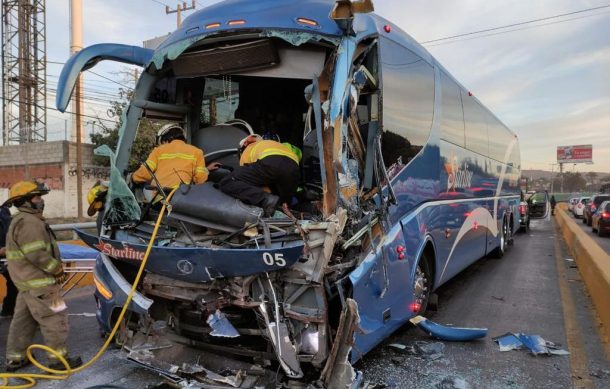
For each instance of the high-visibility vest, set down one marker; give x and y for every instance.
(265, 148)
(173, 163)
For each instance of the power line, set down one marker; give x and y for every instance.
(97, 74)
(517, 24)
(110, 79)
(65, 112)
(516, 29)
(160, 2)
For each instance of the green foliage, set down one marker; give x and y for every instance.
(572, 182)
(145, 138)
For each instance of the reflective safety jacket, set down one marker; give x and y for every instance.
(173, 162)
(31, 251)
(265, 148)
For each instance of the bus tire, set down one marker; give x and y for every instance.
(499, 251)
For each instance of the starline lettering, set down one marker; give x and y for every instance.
(126, 252)
(458, 177)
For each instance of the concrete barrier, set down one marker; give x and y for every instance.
(594, 266)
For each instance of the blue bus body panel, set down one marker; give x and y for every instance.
(89, 57)
(197, 264)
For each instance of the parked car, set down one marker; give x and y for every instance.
(600, 221)
(571, 204)
(591, 207)
(579, 207)
(525, 216)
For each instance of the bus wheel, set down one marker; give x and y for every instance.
(501, 249)
(421, 286)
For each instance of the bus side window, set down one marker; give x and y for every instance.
(408, 104)
(452, 123)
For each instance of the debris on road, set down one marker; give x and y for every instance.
(534, 343)
(454, 334)
(453, 383)
(421, 349)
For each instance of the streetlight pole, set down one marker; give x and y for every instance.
(552, 177)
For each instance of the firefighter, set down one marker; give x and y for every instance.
(35, 267)
(174, 161)
(264, 163)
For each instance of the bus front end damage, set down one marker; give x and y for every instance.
(293, 326)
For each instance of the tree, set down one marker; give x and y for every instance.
(143, 143)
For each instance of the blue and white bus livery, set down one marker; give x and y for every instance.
(407, 179)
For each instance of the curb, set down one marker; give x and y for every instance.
(594, 266)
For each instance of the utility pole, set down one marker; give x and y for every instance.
(178, 11)
(76, 45)
(561, 172)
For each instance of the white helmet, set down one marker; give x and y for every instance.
(167, 128)
(249, 139)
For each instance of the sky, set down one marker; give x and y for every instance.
(548, 81)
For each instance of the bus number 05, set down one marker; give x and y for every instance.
(271, 260)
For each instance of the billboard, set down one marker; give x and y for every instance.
(575, 154)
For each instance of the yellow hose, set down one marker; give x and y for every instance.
(30, 379)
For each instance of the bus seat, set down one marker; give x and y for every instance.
(220, 143)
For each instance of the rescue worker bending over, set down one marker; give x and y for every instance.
(264, 163)
(35, 267)
(174, 161)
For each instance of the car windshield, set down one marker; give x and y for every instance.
(600, 199)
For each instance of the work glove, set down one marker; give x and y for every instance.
(60, 278)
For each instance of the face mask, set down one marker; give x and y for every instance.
(38, 206)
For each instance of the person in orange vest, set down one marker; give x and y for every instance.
(264, 163)
(174, 161)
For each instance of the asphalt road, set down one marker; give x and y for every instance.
(603, 242)
(533, 290)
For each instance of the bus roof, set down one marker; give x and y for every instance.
(268, 14)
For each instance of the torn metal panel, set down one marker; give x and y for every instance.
(338, 372)
(457, 334)
(298, 38)
(534, 343)
(221, 326)
(284, 348)
(321, 256)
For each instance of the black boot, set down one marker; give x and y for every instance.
(12, 366)
(269, 204)
(74, 362)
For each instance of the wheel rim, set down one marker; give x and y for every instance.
(503, 236)
(420, 288)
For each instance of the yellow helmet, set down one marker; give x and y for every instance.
(26, 188)
(96, 197)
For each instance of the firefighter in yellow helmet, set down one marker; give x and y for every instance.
(264, 163)
(35, 266)
(96, 197)
(174, 161)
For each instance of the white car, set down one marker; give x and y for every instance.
(579, 207)
(571, 203)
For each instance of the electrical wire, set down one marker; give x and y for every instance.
(515, 29)
(97, 74)
(516, 24)
(66, 112)
(160, 2)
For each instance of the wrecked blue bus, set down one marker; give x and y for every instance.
(407, 179)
